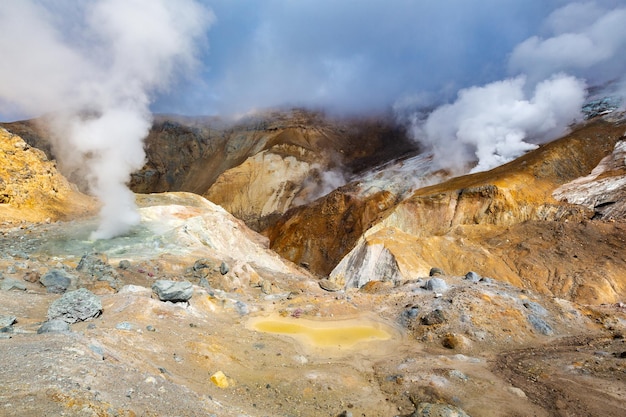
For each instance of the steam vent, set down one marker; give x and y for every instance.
(215, 210)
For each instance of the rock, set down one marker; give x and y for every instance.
(97, 265)
(224, 268)
(472, 276)
(124, 325)
(436, 284)
(434, 317)
(6, 321)
(75, 306)
(242, 308)
(454, 341)
(124, 264)
(137, 290)
(516, 391)
(434, 272)
(329, 285)
(409, 315)
(174, 291)
(601, 106)
(9, 284)
(98, 350)
(219, 379)
(203, 263)
(32, 276)
(54, 326)
(56, 281)
(535, 308)
(540, 325)
(455, 373)
(368, 261)
(411, 312)
(266, 287)
(438, 410)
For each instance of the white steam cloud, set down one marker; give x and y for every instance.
(492, 124)
(95, 66)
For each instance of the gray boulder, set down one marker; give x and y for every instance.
(436, 285)
(56, 281)
(75, 306)
(472, 276)
(174, 291)
(54, 326)
(9, 284)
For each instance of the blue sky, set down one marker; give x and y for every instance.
(348, 56)
(351, 55)
(356, 55)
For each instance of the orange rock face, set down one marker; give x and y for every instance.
(31, 188)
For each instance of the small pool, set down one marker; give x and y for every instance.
(344, 333)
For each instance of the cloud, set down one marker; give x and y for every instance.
(496, 123)
(583, 39)
(95, 67)
(351, 55)
(491, 124)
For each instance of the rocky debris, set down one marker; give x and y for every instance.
(54, 326)
(96, 265)
(438, 410)
(433, 318)
(9, 284)
(601, 106)
(174, 291)
(224, 268)
(603, 190)
(75, 306)
(57, 281)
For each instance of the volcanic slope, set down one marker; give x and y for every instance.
(503, 223)
(444, 343)
(256, 167)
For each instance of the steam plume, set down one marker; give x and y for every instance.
(492, 124)
(97, 65)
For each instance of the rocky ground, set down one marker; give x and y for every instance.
(494, 294)
(464, 344)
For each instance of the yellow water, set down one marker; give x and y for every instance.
(337, 333)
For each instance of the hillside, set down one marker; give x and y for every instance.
(400, 291)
